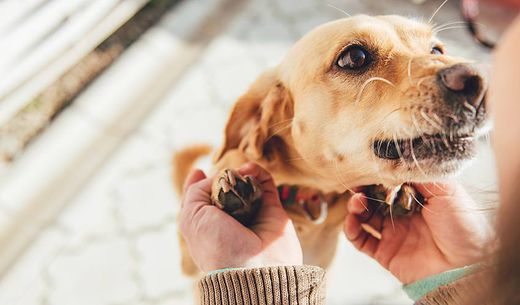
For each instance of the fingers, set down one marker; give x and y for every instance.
(357, 204)
(256, 171)
(361, 239)
(201, 186)
(352, 227)
(359, 214)
(194, 176)
(264, 178)
(432, 190)
(441, 198)
(197, 193)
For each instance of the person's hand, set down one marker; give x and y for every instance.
(216, 240)
(448, 233)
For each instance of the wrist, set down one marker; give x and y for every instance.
(434, 266)
(261, 261)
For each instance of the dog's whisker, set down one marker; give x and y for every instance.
(434, 125)
(399, 153)
(410, 70)
(431, 122)
(364, 205)
(414, 120)
(368, 81)
(437, 118)
(470, 107)
(420, 169)
(416, 125)
(436, 11)
(415, 160)
(387, 147)
(340, 177)
(392, 112)
(412, 150)
(432, 194)
(392, 217)
(448, 24)
(374, 199)
(435, 29)
(338, 9)
(407, 135)
(445, 140)
(422, 205)
(379, 146)
(449, 28)
(389, 114)
(420, 80)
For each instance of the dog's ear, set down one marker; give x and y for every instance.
(257, 117)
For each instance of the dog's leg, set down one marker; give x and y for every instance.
(319, 241)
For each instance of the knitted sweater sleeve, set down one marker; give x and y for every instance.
(294, 285)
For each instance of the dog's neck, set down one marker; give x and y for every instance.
(289, 167)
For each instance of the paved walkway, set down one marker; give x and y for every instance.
(116, 241)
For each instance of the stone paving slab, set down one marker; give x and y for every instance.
(116, 242)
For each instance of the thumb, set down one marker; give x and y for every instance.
(194, 176)
(265, 181)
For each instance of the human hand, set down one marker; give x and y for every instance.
(216, 240)
(448, 233)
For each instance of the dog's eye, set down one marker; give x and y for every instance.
(354, 57)
(437, 51)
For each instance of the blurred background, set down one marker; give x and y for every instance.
(96, 95)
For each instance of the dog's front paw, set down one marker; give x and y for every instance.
(238, 196)
(403, 200)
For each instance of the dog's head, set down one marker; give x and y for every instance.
(365, 100)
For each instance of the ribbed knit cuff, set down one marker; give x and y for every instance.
(298, 285)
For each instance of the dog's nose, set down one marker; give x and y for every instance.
(465, 80)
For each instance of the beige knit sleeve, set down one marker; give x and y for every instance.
(294, 285)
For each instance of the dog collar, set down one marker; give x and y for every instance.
(294, 195)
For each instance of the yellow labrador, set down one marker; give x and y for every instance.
(358, 101)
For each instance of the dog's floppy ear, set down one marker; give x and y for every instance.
(257, 116)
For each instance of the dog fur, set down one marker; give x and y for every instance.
(313, 124)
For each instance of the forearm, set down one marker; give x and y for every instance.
(263, 286)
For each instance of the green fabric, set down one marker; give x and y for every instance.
(417, 290)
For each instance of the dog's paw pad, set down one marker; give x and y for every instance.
(238, 196)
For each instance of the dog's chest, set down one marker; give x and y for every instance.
(311, 209)
(317, 218)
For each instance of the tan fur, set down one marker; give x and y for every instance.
(309, 124)
(183, 161)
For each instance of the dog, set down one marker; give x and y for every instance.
(358, 101)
